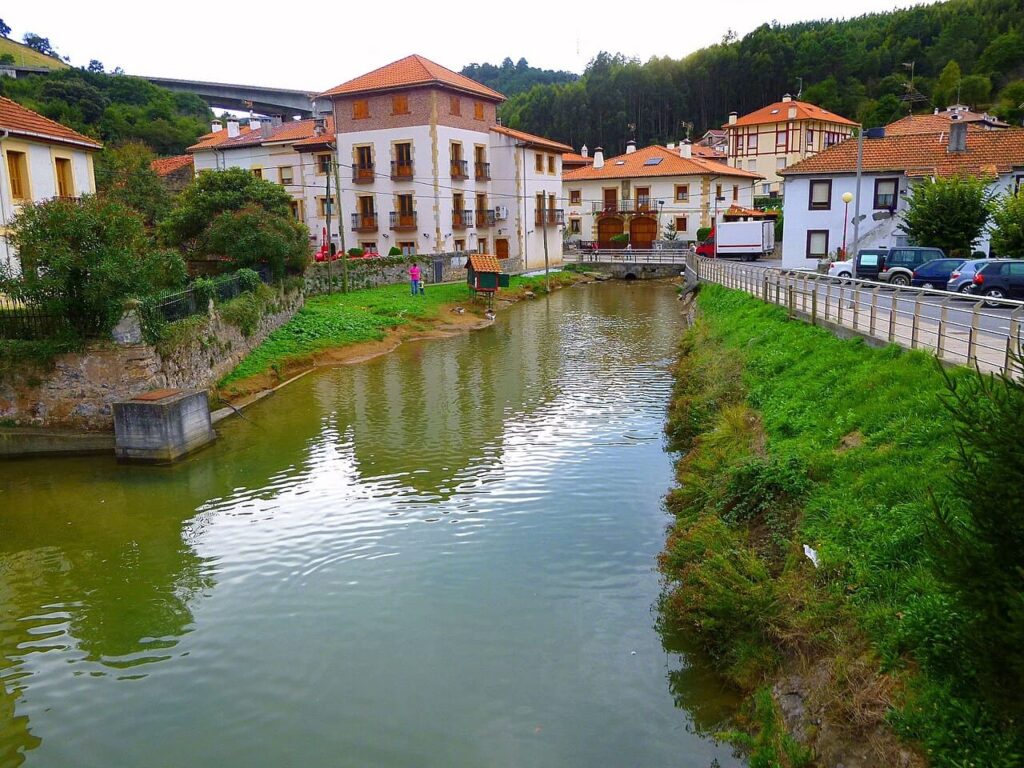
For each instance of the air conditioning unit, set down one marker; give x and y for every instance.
(500, 212)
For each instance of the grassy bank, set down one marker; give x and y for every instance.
(340, 320)
(792, 437)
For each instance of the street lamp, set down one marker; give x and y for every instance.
(847, 199)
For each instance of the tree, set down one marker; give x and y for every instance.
(257, 225)
(948, 87)
(95, 66)
(670, 231)
(1008, 225)
(5, 30)
(40, 44)
(82, 259)
(124, 174)
(948, 213)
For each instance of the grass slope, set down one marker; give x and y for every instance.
(26, 57)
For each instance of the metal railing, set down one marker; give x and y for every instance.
(627, 255)
(400, 170)
(485, 218)
(462, 219)
(26, 321)
(554, 216)
(482, 171)
(956, 328)
(362, 174)
(364, 222)
(641, 205)
(460, 169)
(402, 221)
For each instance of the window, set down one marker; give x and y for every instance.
(752, 142)
(643, 198)
(296, 208)
(780, 163)
(718, 192)
(481, 245)
(408, 247)
(885, 193)
(400, 104)
(286, 175)
(460, 245)
(575, 197)
(574, 226)
(551, 164)
(323, 165)
(364, 157)
(257, 172)
(538, 164)
(405, 205)
(810, 137)
(819, 196)
(65, 181)
(681, 224)
(369, 247)
(780, 139)
(360, 109)
(683, 193)
(17, 171)
(322, 205)
(455, 106)
(817, 243)
(478, 110)
(735, 192)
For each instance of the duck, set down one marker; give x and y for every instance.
(458, 310)
(489, 314)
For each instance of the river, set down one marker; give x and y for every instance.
(444, 556)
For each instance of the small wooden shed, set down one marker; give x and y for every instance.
(483, 273)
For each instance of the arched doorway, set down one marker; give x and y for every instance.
(643, 231)
(607, 228)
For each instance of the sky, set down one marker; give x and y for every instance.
(315, 46)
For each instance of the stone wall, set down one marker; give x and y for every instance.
(369, 273)
(80, 388)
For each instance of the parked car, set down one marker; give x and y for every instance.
(896, 266)
(846, 268)
(1002, 279)
(960, 279)
(935, 273)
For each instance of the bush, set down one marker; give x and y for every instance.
(355, 252)
(702, 234)
(394, 251)
(248, 279)
(622, 237)
(1008, 226)
(204, 289)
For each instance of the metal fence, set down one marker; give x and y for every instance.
(182, 304)
(20, 320)
(955, 328)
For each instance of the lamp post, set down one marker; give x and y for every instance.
(847, 199)
(718, 199)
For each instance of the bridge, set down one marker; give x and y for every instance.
(257, 98)
(631, 264)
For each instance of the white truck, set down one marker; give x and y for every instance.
(745, 239)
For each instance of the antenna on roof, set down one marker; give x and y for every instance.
(800, 90)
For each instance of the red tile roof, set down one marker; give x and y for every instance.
(530, 140)
(575, 160)
(754, 213)
(921, 154)
(668, 163)
(912, 124)
(779, 113)
(22, 121)
(484, 262)
(291, 131)
(165, 166)
(412, 71)
(215, 138)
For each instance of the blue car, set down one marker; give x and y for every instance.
(935, 273)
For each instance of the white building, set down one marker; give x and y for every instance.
(814, 211)
(42, 159)
(426, 168)
(642, 191)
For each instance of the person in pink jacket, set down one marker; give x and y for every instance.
(414, 278)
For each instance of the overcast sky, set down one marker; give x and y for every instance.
(316, 45)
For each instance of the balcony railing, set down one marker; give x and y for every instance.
(641, 205)
(485, 218)
(460, 169)
(462, 219)
(403, 221)
(400, 170)
(364, 222)
(482, 171)
(363, 174)
(553, 216)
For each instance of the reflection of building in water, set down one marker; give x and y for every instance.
(15, 737)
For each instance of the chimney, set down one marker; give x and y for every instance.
(319, 126)
(670, 145)
(685, 149)
(584, 151)
(787, 97)
(232, 128)
(254, 124)
(732, 118)
(598, 158)
(266, 130)
(216, 126)
(630, 147)
(958, 137)
(277, 121)
(792, 113)
(936, 111)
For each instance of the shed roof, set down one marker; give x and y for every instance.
(483, 262)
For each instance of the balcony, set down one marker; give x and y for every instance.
(627, 205)
(482, 171)
(401, 171)
(363, 174)
(553, 216)
(460, 170)
(485, 218)
(403, 222)
(364, 222)
(462, 219)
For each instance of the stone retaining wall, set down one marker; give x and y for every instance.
(80, 388)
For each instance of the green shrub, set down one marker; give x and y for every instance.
(622, 237)
(248, 279)
(394, 251)
(355, 252)
(761, 486)
(204, 289)
(702, 234)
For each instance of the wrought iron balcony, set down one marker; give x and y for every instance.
(460, 169)
(363, 174)
(462, 219)
(627, 205)
(402, 222)
(483, 171)
(553, 216)
(364, 222)
(400, 170)
(485, 218)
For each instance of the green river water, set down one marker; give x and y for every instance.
(441, 557)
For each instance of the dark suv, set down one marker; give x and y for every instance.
(895, 266)
(1000, 280)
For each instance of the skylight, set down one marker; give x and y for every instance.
(620, 162)
(653, 160)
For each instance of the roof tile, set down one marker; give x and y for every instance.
(411, 71)
(669, 163)
(165, 166)
(779, 112)
(531, 140)
(22, 121)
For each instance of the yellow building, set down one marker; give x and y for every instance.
(769, 139)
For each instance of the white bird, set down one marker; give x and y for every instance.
(458, 310)
(489, 314)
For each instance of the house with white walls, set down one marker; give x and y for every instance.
(817, 218)
(269, 149)
(774, 137)
(640, 192)
(427, 168)
(42, 159)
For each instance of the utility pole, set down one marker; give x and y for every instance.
(327, 204)
(856, 191)
(544, 230)
(341, 222)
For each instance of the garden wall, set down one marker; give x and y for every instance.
(78, 390)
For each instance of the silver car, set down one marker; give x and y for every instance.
(961, 278)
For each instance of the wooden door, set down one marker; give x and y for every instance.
(608, 227)
(501, 248)
(611, 199)
(643, 231)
